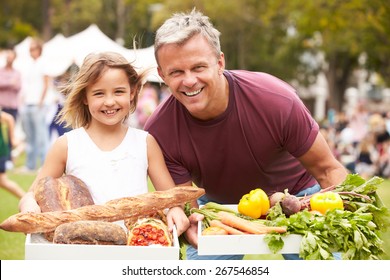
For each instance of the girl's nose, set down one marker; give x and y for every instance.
(109, 100)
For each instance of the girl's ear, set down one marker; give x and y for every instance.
(132, 94)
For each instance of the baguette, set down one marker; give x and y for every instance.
(113, 210)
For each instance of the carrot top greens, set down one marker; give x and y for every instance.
(354, 231)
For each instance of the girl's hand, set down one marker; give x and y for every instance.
(28, 204)
(176, 216)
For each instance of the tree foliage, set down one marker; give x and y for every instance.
(294, 40)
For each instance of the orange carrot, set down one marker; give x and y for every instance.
(246, 225)
(229, 229)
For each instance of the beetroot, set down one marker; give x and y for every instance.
(290, 205)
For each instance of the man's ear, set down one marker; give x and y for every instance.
(221, 63)
(160, 73)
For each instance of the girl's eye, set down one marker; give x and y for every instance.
(120, 92)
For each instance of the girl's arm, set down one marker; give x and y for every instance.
(53, 166)
(157, 170)
(162, 180)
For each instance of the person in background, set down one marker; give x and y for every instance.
(147, 104)
(57, 129)
(112, 158)
(34, 109)
(367, 157)
(10, 85)
(7, 135)
(164, 93)
(231, 131)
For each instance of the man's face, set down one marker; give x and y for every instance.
(195, 76)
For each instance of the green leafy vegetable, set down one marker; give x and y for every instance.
(355, 231)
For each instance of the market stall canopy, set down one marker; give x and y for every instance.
(60, 52)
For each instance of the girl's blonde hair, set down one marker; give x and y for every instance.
(75, 113)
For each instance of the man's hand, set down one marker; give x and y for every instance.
(192, 232)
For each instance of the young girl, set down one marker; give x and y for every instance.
(7, 124)
(112, 158)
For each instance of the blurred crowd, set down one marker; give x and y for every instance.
(360, 140)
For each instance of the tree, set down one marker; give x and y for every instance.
(278, 36)
(377, 38)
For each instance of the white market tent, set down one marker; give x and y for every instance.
(61, 52)
(91, 40)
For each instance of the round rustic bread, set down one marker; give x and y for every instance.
(90, 232)
(58, 194)
(63, 193)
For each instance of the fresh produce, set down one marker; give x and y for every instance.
(275, 198)
(290, 204)
(354, 231)
(254, 204)
(232, 219)
(322, 202)
(245, 225)
(214, 230)
(228, 229)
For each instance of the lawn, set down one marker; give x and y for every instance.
(12, 244)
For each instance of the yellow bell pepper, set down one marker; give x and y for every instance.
(322, 202)
(254, 204)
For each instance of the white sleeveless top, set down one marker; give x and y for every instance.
(109, 174)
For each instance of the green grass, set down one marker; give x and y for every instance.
(12, 244)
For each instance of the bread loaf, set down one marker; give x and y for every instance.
(90, 232)
(63, 193)
(114, 210)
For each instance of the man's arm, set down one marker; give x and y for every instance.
(322, 164)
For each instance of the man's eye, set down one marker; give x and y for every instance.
(199, 68)
(175, 73)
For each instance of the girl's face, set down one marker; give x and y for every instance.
(109, 98)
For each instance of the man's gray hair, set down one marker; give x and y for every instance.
(183, 26)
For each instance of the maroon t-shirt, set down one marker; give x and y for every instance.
(253, 144)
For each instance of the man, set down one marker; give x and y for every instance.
(232, 131)
(34, 109)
